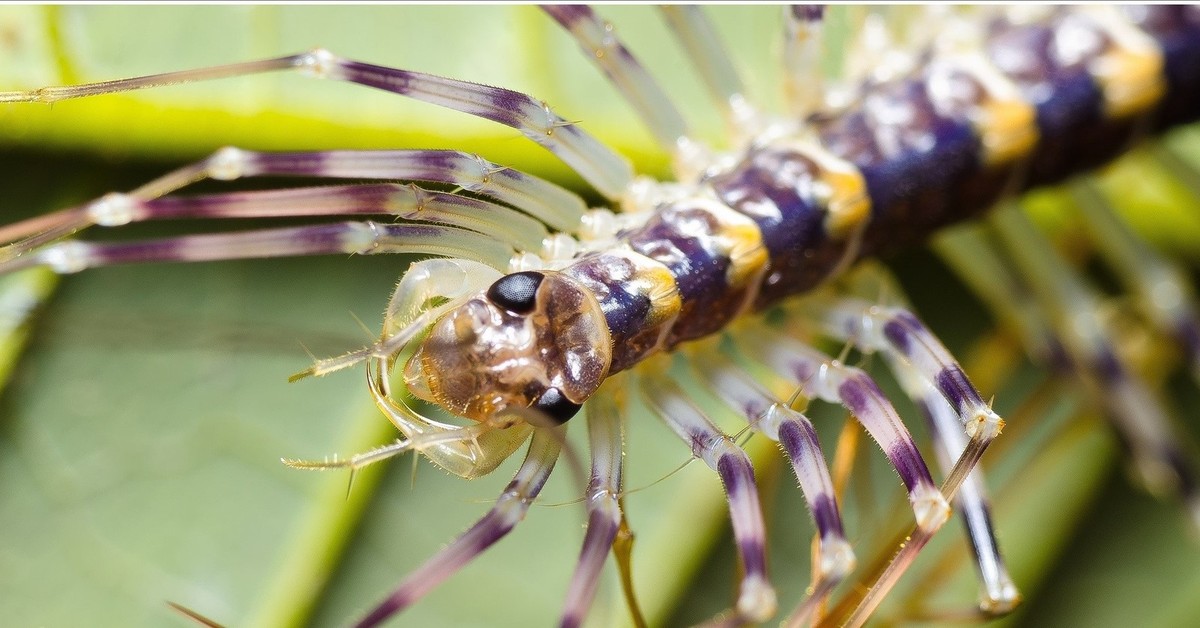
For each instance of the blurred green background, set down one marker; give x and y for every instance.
(141, 429)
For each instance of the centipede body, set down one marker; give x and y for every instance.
(483, 492)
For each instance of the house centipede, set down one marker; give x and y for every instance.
(742, 298)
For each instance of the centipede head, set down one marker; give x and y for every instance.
(534, 339)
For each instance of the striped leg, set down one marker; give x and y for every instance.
(362, 238)
(795, 433)
(608, 172)
(699, 39)
(604, 416)
(402, 201)
(600, 44)
(756, 598)
(998, 595)
(509, 510)
(553, 205)
(823, 378)
(956, 455)
(899, 333)
(1075, 310)
(605, 49)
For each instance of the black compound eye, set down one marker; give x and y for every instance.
(516, 292)
(556, 406)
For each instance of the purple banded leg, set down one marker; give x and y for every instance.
(795, 433)
(1163, 291)
(899, 332)
(545, 201)
(362, 238)
(999, 595)
(509, 510)
(756, 598)
(826, 379)
(1075, 309)
(604, 417)
(605, 170)
(404, 201)
(604, 48)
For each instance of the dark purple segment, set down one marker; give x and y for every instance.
(954, 385)
(808, 12)
(601, 530)
(738, 477)
(626, 311)
(482, 535)
(908, 462)
(683, 238)
(310, 240)
(826, 516)
(506, 104)
(1108, 368)
(898, 331)
(308, 164)
(218, 205)
(568, 14)
(857, 392)
(1048, 62)
(1176, 28)
(800, 441)
(911, 156)
(777, 188)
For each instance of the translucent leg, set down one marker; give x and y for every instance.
(803, 57)
(823, 378)
(605, 49)
(756, 598)
(543, 200)
(834, 558)
(1162, 290)
(900, 333)
(509, 510)
(998, 595)
(604, 417)
(1075, 309)
(703, 46)
(404, 201)
(608, 172)
(361, 238)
